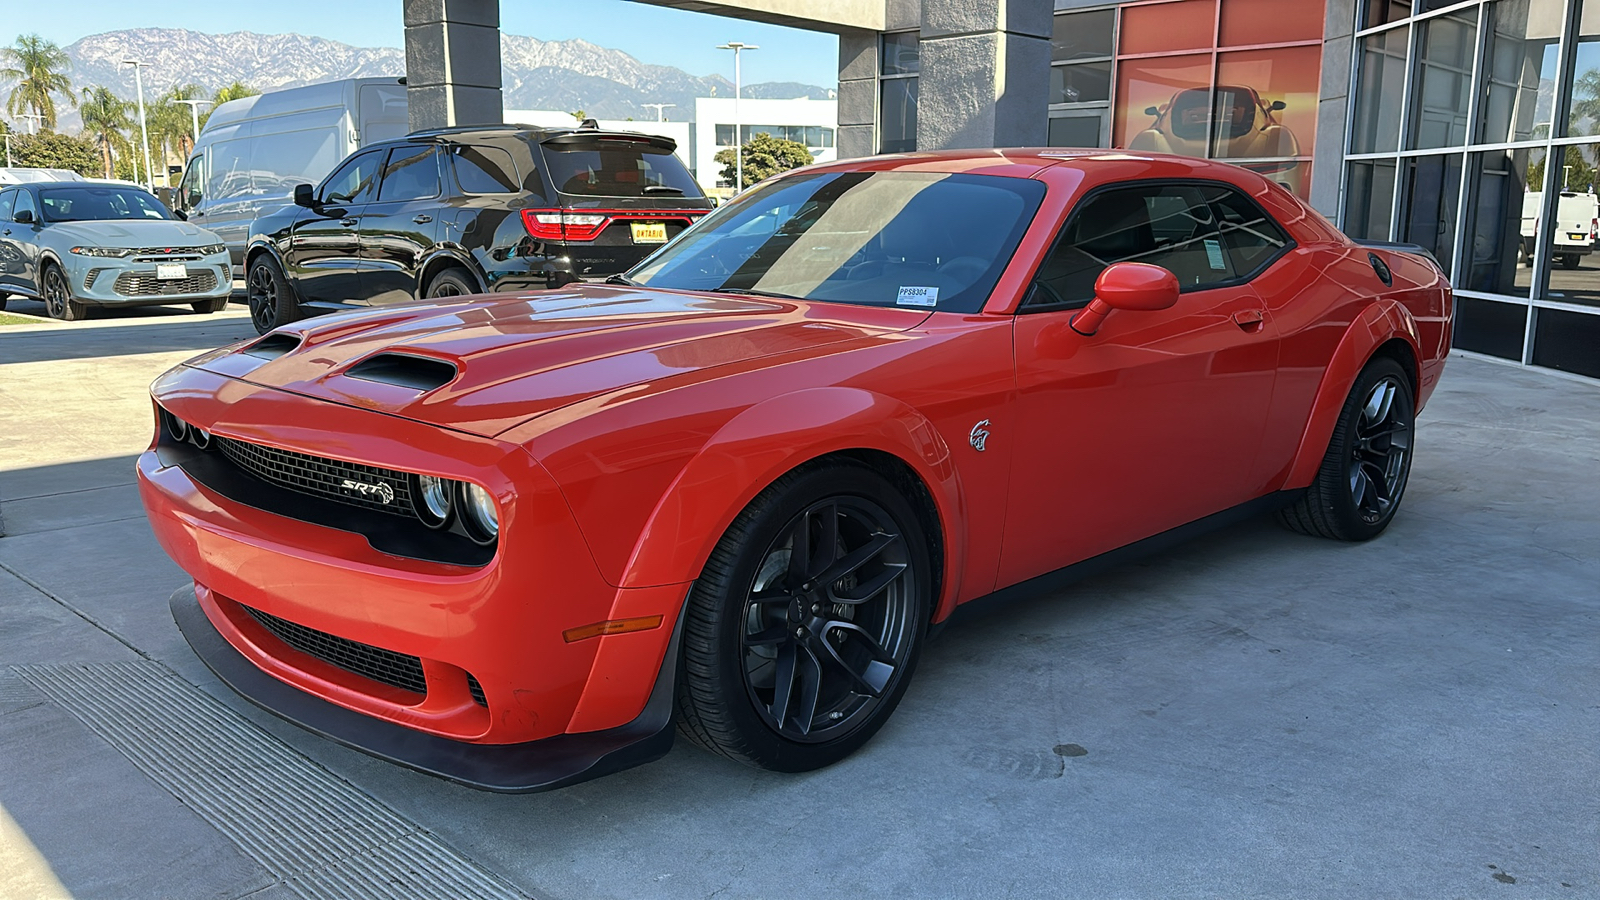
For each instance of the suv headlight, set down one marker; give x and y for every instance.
(116, 252)
(212, 249)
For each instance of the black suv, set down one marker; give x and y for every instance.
(466, 211)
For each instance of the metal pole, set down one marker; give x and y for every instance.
(8, 149)
(144, 131)
(738, 126)
(660, 109)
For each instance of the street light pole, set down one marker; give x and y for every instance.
(659, 107)
(194, 113)
(738, 126)
(8, 149)
(144, 131)
(38, 121)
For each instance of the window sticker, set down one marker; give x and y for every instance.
(1213, 255)
(918, 296)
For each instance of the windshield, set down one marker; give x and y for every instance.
(618, 168)
(911, 239)
(94, 204)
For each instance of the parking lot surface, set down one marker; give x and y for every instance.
(1253, 714)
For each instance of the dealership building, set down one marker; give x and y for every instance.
(1424, 121)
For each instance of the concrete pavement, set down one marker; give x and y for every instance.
(1255, 714)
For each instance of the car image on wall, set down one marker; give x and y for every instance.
(1238, 125)
(514, 539)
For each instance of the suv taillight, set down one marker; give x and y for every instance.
(561, 225)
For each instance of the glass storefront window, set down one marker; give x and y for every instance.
(1378, 93)
(1248, 22)
(1520, 69)
(1266, 103)
(1164, 103)
(1370, 199)
(1085, 35)
(1575, 266)
(1081, 83)
(1164, 27)
(1583, 112)
(900, 53)
(1500, 233)
(1076, 131)
(898, 131)
(1443, 85)
(1382, 12)
(1432, 192)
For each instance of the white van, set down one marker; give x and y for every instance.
(253, 151)
(1577, 226)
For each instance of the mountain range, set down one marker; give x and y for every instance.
(535, 74)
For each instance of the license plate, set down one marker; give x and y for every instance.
(649, 232)
(169, 271)
(1578, 237)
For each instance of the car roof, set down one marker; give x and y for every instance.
(71, 184)
(1027, 162)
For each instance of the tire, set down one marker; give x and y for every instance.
(58, 300)
(212, 305)
(452, 282)
(1363, 475)
(272, 302)
(844, 651)
(3, 299)
(1570, 260)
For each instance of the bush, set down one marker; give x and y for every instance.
(764, 157)
(49, 150)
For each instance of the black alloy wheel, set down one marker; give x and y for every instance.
(451, 283)
(1364, 473)
(805, 627)
(58, 302)
(268, 296)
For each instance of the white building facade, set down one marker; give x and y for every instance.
(809, 122)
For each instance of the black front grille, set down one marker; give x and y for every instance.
(133, 284)
(476, 689)
(369, 487)
(385, 666)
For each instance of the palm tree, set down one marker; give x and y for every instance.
(168, 123)
(105, 116)
(232, 92)
(38, 66)
(183, 129)
(1585, 102)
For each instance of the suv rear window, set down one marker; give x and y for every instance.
(618, 168)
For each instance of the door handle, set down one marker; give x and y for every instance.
(422, 219)
(1248, 319)
(348, 223)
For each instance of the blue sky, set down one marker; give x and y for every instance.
(654, 35)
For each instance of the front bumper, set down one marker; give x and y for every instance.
(542, 765)
(132, 282)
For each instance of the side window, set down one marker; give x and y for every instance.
(1166, 225)
(1250, 236)
(7, 198)
(354, 181)
(25, 202)
(484, 170)
(412, 174)
(189, 190)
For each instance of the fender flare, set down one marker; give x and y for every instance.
(761, 444)
(1382, 321)
(255, 249)
(443, 256)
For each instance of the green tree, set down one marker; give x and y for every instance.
(1585, 113)
(579, 114)
(764, 157)
(171, 123)
(236, 91)
(48, 150)
(1578, 174)
(39, 69)
(105, 118)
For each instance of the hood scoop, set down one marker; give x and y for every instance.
(273, 346)
(419, 373)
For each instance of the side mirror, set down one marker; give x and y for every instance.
(304, 195)
(1278, 105)
(1151, 111)
(23, 217)
(181, 214)
(1127, 285)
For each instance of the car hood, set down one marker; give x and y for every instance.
(135, 233)
(507, 359)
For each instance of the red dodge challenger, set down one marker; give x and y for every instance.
(513, 540)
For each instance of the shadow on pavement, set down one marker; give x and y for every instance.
(156, 333)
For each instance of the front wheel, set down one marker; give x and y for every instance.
(58, 300)
(1364, 472)
(209, 306)
(804, 629)
(1570, 260)
(271, 300)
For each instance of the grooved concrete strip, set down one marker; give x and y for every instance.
(322, 836)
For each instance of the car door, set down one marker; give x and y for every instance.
(21, 240)
(325, 243)
(1156, 419)
(401, 224)
(10, 253)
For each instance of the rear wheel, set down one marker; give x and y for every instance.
(58, 300)
(451, 283)
(804, 629)
(1364, 472)
(1570, 260)
(272, 301)
(212, 305)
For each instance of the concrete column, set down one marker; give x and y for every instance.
(858, 94)
(1333, 108)
(985, 73)
(453, 62)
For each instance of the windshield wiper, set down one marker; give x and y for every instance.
(622, 279)
(661, 189)
(747, 292)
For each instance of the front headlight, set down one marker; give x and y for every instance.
(212, 249)
(478, 513)
(115, 252)
(434, 496)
